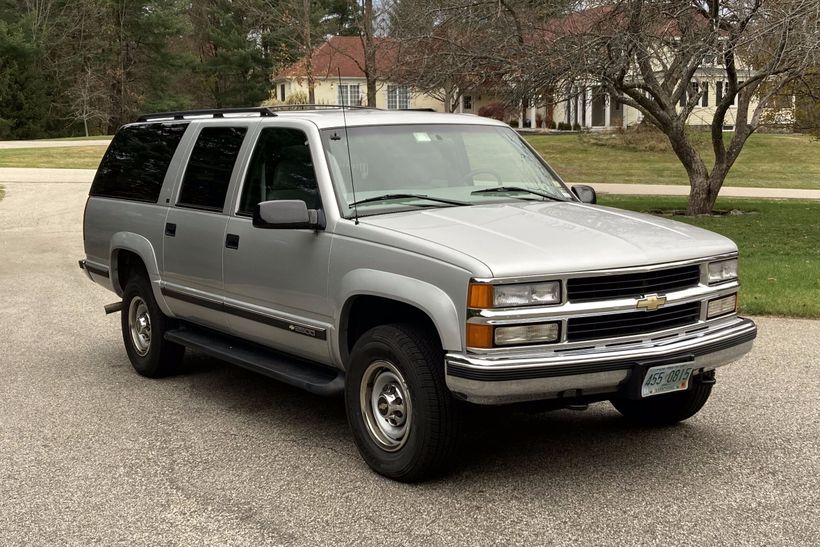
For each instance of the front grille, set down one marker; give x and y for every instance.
(633, 285)
(635, 322)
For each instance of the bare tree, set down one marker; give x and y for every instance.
(650, 55)
(449, 47)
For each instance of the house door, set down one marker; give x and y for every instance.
(598, 107)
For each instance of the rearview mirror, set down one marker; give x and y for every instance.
(286, 213)
(585, 193)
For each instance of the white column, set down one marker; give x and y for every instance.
(520, 115)
(532, 117)
(607, 113)
(588, 95)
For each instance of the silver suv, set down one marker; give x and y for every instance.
(415, 262)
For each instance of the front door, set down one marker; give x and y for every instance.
(276, 279)
(195, 228)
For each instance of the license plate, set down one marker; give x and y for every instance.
(666, 378)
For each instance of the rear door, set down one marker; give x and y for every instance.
(196, 224)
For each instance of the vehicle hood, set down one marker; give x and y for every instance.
(533, 238)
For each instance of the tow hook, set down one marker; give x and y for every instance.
(113, 308)
(706, 377)
(581, 406)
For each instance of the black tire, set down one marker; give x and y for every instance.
(415, 359)
(160, 357)
(663, 410)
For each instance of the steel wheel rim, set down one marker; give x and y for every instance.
(139, 325)
(386, 405)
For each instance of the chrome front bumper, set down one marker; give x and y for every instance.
(500, 379)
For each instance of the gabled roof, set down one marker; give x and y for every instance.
(344, 54)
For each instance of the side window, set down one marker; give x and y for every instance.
(281, 168)
(209, 169)
(135, 164)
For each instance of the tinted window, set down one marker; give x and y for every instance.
(281, 168)
(135, 164)
(210, 166)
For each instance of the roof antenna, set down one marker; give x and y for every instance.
(347, 141)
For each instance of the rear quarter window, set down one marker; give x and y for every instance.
(135, 164)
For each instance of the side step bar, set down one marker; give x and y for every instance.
(311, 377)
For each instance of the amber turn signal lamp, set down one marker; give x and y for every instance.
(480, 295)
(479, 336)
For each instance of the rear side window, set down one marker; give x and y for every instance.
(135, 164)
(209, 169)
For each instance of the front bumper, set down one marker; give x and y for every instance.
(500, 379)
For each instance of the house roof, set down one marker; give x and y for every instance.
(345, 55)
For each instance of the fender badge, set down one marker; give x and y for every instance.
(303, 330)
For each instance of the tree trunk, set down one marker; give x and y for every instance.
(307, 7)
(701, 197)
(369, 52)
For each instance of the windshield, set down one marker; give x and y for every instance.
(404, 167)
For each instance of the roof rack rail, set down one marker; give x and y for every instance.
(287, 107)
(214, 112)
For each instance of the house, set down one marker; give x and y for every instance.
(338, 73)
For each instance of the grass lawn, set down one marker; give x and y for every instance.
(779, 243)
(782, 161)
(75, 157)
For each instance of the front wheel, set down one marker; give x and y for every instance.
(403, 417)
(668, 409)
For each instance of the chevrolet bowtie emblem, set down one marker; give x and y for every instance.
(651, 302)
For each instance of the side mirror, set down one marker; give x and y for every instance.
(286, 213)
(585, 193)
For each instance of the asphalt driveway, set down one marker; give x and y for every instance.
(91, 453)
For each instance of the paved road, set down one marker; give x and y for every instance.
(21, 174)
(91, 453)
(8, 145)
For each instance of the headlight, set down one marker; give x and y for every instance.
(725, 270)
(519, 294)
(721, 306)
(527, 334)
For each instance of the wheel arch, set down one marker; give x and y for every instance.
(371, 297)
(130, 251)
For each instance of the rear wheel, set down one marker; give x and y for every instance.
(403, 417)
(143, 330)
(666, 409)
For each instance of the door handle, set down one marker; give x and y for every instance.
(232, 241)
(170, 229)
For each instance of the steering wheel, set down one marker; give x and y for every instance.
(469, 176)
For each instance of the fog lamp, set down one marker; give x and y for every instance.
(721, 306)
(527, 334)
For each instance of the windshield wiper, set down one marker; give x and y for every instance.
(503, 189)
(389, 197)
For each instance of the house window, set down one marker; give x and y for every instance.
(398, 97)
(718, 91)
(281, 92)
(348, 95)
(468, 102)
(705, 100)
(737, 95)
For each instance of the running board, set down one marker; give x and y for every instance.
(311, 377)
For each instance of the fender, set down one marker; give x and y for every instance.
(139, 245)
(428, 298)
